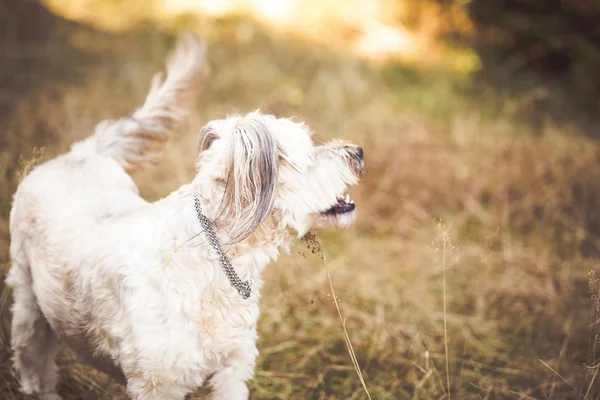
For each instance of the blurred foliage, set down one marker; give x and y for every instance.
(546, 49)
(33, 43)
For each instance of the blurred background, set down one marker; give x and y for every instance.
(472, 271)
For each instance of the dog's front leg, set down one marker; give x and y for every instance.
(230, 382)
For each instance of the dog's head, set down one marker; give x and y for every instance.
(258, 166)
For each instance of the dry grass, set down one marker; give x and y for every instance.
(511, 318)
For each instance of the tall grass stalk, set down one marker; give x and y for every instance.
(596, 369)
(347, 337)
(594, 291)
(444, 245)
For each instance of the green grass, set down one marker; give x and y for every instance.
(505, 312)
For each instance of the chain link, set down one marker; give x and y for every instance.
(244, 288)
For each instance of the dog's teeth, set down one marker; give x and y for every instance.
(347, 199)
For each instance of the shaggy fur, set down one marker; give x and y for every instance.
(133, 286)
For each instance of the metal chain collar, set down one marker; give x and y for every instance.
(243, 288)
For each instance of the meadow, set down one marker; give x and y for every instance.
(471, 272)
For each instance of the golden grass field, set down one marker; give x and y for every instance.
(470, 271)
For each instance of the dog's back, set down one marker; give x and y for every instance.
(69, 197)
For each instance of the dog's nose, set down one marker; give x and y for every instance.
(360, 153)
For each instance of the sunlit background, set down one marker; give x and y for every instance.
(377, 29)
(472, 271)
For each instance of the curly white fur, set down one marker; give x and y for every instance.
(134, 286)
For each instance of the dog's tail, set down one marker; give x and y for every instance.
(138, 139)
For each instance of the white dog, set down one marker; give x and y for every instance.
(165, 295)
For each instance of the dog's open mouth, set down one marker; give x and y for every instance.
(344, 205)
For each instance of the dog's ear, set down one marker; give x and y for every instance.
(206, 138)
(251, 178)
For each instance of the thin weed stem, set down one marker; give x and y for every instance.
(592, 381)
(347, 338)
(559, 375)
(315, 247)
(444, 245)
